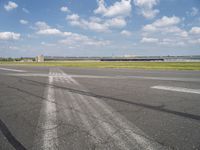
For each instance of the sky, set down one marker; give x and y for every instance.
(99, 27)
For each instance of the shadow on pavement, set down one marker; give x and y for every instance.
(107, 98)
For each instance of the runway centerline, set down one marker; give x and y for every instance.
(13, 70)
(177, 89)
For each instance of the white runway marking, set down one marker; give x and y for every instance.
(14, 70)
(47, 138)
(50, 141)
(132, 132)
(61, 75)
(177, 89)
(111, 125)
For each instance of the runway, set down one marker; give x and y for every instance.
(50, 108)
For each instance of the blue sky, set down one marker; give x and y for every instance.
(99, 27)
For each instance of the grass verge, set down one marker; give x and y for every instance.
(131, 65)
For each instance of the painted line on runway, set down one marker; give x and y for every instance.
(111, 77)
(47, 138)
(131, 132)
(50, 126)
(123, 133)
(177, 89)
(14, 70)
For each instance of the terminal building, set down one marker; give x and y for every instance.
(39, 58)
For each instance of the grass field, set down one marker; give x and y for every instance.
(131, 65)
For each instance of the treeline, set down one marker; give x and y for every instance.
(15, 59)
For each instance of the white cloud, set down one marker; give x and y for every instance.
(69, 38)
(167, 31)
(74, 19)
(23, 21)
(10, 6)
(122, 8)
(183, 34)
(44, 29)
(96, 19)
(172, 42)
(97, 24)
(101, 7)
(74, 39)
(195, 41)
(112, 17)
(195, 30)
(42, 25)
(25, 10)
(194, 11)
(64, 9)
(9, 36)
(149, 28)
(146, 8)
(166, 21)
(94, 26)
(51, 31)
(47, 44)
(149, 40)
(125, 33)
(166, 25)
(116, 22)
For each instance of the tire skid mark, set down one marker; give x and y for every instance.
(118, 127)
(104, 127)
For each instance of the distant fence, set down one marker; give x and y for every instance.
(132, 59)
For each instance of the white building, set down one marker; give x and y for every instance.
(39, 58)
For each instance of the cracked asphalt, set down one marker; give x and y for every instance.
(72, 108)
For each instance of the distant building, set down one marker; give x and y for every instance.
(39, 58)
(26, 60)
(129, 56)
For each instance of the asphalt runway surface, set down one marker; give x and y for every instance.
(57, 108)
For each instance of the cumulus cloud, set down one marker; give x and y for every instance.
(69, 38)
(195, 41)
(10, 6)
(9, 36)
(163, 22)
(194, 11)
(73, 17)
(42, 25)
(47, 44)
(117, 22)
(172, 42)
(44, 29)
(166, 21)
(167, 30)
(97, 24)
(92, 24)
(121, 8)
(50, 31)
(166, 25)
(146, 8)
(23, 21)
(64, 9)
(25, 10)
(74, 39)
(125, 33)
(149, 40)
(111, 17)
(195, 30)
